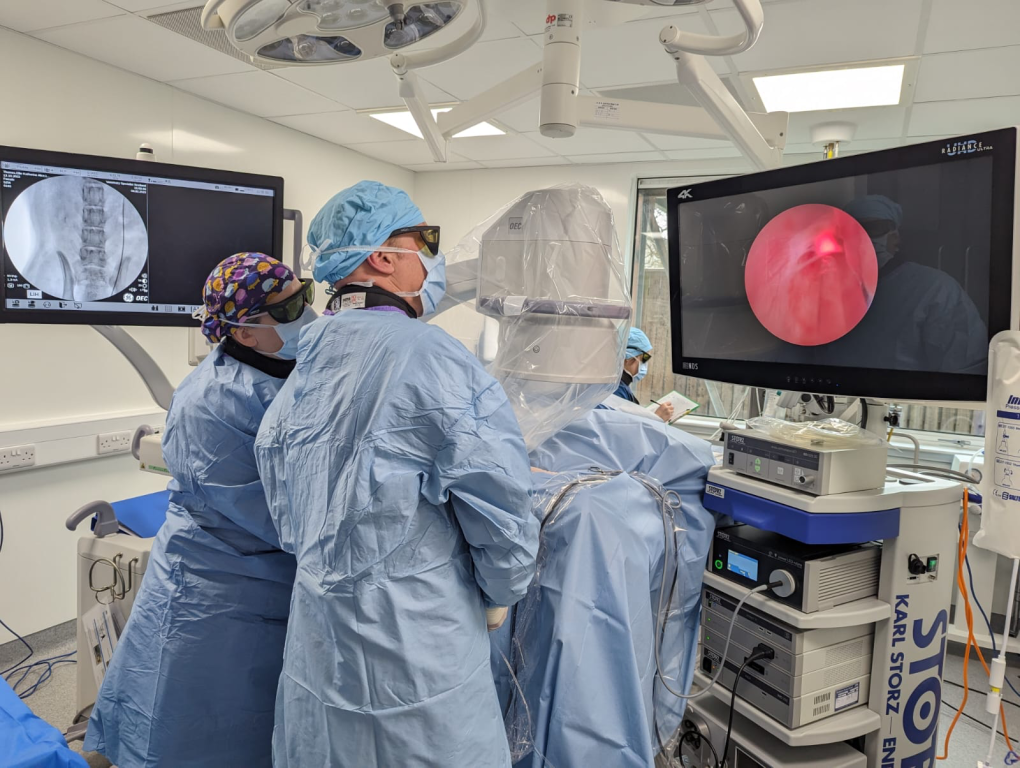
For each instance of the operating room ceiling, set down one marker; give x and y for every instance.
(967, 56)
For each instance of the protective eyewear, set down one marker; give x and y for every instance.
(291, 309)
(644, 356)
(429, 236)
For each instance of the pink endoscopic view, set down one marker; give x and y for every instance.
(811, 275)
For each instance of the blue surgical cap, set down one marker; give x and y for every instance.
(637, 343)
(365, 214)
(877, 207)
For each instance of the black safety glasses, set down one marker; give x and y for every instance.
(645, 356)
(291, 309)
(429, 236)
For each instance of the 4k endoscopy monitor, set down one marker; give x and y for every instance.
(883, 274)
(104, 241)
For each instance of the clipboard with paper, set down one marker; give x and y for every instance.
(682, 405)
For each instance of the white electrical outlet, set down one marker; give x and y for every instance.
(114, 442)
(17, 457)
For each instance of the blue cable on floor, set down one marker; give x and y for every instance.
(23, 642)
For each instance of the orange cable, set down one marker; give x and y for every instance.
(971, 640)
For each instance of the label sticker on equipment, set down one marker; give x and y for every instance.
(607, 110)
(847, 697)
(559, 20)
(715, 490)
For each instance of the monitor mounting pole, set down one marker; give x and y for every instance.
(155, 380)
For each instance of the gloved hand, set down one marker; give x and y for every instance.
(494, 618)
(665, 412)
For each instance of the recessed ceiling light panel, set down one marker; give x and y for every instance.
(403, 120)
(873, 86)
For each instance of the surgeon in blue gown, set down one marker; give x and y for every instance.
(193, 679)
(398, 477)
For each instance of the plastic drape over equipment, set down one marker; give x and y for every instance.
(552, 284)
(622, 556)
(829, 433)
(1000, 487)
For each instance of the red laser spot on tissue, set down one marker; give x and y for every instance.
(811, 275)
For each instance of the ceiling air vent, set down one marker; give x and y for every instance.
(187, 23)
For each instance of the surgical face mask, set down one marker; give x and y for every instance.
(433, 288)
(290, 332)
(642, 371)
(882, 249)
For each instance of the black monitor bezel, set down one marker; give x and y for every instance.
(136, 167)
(860, 382)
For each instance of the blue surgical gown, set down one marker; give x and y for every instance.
(398, 476)
(193, 679)
(585, 634)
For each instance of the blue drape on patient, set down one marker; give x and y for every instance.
(583, 649)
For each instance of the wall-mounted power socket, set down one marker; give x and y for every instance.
(17, 457)
(114, 442)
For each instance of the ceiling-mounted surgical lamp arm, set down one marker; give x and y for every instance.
(414, 100)
(713, 96)
(411, 93)
(711, 45)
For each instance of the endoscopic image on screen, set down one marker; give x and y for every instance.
(76, 238)
(887, 271)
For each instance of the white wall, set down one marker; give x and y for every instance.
(459, 200)
(54, 99)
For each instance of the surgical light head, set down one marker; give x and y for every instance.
(552, 276)
(327, 31)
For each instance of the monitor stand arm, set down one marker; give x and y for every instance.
(155, 380)
(293, 214)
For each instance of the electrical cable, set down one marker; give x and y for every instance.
(758, 655)
(951, 474)
(45, 675)
(975, 690)
(725, 651)
(961, 560)
(696, 740)
(1, 531)
(23, 642)
(991, 634)
(864, 413)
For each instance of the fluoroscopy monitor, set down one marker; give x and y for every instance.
(105, 241)
(878, 275)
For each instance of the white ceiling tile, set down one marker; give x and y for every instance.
(143, 5)
(415, 152)
(498, 147)
(359, 85)
(956, 26)
(871, 122)
(258, 93)
(969, 75)
(617, 157)
(32, 15)
(702, 154)
(630, 54)
(345, 128)
(590, 141)
(482, 66)
(467, 165)
(945, 118)
(526, 162)
(662, 141)
(820, 32)
(140, 46)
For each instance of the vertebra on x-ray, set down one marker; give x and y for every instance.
(76, 238)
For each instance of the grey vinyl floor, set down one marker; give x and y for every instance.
(54, 701)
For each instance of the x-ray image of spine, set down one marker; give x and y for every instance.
(811, 275)
(76, 239)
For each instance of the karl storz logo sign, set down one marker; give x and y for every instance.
(516, 224)
(964, 147)
(920, 675)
